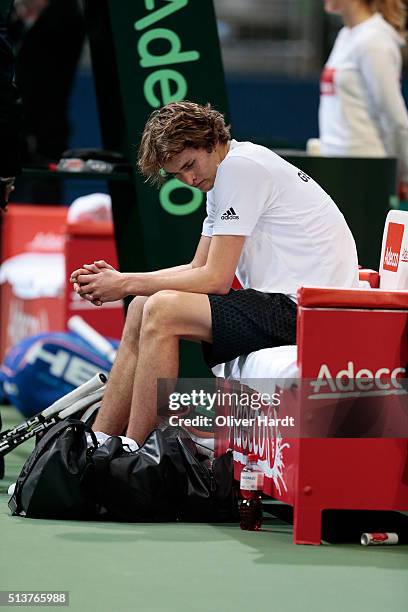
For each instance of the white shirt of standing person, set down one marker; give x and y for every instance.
(362, 112)
(296, 235)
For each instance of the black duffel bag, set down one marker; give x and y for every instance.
(164, 480)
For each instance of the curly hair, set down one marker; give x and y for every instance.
(173, 128)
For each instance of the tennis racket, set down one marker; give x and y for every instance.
(78, 399)
(94, 338)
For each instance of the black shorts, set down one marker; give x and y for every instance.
(246, 320)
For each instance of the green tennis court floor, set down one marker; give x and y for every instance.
(179, 567)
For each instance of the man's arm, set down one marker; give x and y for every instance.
(200, 259)
(213, 274)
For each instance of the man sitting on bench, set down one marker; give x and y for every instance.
(267, 222)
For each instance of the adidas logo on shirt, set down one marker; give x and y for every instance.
(229, 215)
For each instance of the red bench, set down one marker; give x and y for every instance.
(347, 340)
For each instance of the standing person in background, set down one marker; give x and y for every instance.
(9, 122)
(9, 111)
(362, 112)
(48, 37)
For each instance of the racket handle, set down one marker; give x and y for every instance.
(94, 338)
(83, 402)
(93, 384)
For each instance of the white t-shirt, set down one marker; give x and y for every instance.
(296, 235)
(362, 112)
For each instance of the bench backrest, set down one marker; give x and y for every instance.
(394, 252)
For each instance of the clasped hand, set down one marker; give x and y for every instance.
(98, 283)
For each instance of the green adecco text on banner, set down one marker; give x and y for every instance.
(146, 54)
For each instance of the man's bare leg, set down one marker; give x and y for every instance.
(168, 316)
(113, 415)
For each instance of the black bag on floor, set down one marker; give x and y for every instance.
(50, 483)
(164, 480)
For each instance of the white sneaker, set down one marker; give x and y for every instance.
(11, 488)
(128, 444)
(101, 438)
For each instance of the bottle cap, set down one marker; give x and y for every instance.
(252, 457)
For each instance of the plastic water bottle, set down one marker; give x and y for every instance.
(251, 485)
